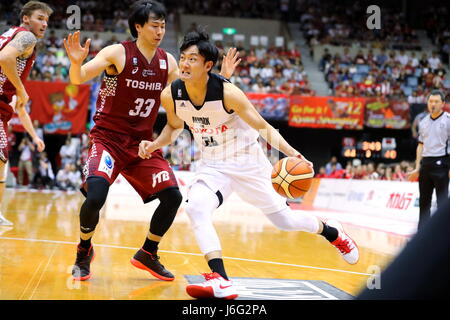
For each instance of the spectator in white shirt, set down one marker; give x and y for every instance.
(68, 152)
(65, 178)
(414, 60)
(74, 177)
(26, 149)
(402, 57)
(434, 61)
(97, 43)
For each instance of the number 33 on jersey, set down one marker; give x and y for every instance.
(135, 109)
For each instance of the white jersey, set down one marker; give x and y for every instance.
(221, 135)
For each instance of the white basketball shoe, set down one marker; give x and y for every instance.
(215, 286)
(345, 245)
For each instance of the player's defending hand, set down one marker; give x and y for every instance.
(146, 148)
(39, 143)
(230, 61)
(75, 51)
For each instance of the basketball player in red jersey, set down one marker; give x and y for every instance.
(136, 72)
(17, 55)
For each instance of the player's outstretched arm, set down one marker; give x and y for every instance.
(234, 97)
(106, 57)
(171, 130)
(22, 43)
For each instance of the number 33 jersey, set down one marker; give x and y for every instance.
(221, 135)
(129, 102)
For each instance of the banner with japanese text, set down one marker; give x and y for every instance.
(272, 106)
(59, 106)
(387, 113)
(327, 112)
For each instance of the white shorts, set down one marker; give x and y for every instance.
(249, 177)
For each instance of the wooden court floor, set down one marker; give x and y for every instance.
(37, 253)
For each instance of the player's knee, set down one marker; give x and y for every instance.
(172, 196)
(197, 212)
(171, 200)
(97, 192)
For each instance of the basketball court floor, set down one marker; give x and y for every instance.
(37, 253)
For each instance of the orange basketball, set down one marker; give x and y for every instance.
(292, 177)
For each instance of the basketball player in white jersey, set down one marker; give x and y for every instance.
(226, 126)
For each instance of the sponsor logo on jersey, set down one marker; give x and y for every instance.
(160, 177)
(146, 73)
(179, 93)
(144, 85)
(201, 120)
(209, 131)
(182, 105)
(135, 70)
(135, 61)
(162, 64)
(106, 164)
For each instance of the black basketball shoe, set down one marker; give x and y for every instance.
(82, 268)
(150, 262)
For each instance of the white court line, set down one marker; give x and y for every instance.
(194, 254)
(326, 294)
(42, 273)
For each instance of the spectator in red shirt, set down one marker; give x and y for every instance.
(321, 173)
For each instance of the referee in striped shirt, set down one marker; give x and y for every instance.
(432, 156)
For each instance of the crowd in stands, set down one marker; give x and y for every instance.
(38, 169)
(438, 29)
(322, 23)
(385, 74)
(109, 15)
(370, 171)
(270, 70)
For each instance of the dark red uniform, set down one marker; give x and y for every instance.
(7, 89)
(127, 107)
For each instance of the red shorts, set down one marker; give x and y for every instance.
(112, 153)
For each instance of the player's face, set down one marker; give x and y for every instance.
(152, 32)
(192, 65)
(37, 23)
(435, 104)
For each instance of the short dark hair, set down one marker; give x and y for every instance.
(140, 13)
(32, 6)
(436, 93)
(200, 38)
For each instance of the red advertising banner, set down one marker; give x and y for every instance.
(385, 113)
(270, 105)
(61, 107)
(327, 112)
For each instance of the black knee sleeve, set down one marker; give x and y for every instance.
(170, 200)
(95, 199)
